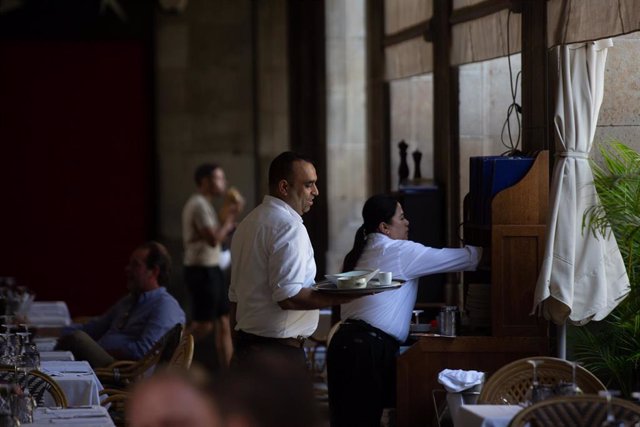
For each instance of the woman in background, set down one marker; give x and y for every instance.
(361, 358)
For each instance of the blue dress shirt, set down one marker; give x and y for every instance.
(133, 326)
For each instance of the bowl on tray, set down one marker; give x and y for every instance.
(352, 279)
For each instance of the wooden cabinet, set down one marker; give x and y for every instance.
(419, 366)
(515, 240)
(518, 227)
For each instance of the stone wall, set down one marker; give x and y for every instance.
(347, 167)
(620, 112)
(206, 103)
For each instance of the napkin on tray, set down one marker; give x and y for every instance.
(457, 380)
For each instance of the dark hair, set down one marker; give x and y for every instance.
(203, 171)
(158, 256)
(282, 167)
(377, 209)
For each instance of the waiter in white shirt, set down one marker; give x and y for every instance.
(273, 307)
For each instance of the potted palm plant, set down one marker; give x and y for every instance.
(611, 348)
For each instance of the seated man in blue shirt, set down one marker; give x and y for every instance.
(135, 323)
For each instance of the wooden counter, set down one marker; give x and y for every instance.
(419, 366)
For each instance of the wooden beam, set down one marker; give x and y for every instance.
(535, 105)
(445, 118)
(485, 8)
(421, 29)
(425, 28)
(378, 144)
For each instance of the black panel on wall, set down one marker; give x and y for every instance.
(307, 79)
(424, 208)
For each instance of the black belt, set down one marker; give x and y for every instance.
(372, 330)
(296, 342)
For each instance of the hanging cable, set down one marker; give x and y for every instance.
(514, 107)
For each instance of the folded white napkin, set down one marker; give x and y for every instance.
(457, 380)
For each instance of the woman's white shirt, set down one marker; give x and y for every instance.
(391, 311)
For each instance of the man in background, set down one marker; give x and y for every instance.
(203, 235)
(129, 329)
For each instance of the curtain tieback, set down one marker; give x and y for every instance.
(573, 154)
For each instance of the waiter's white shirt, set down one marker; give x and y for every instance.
(391, 311)
(272, 261)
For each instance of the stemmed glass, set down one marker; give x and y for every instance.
(29, 350)
(416, 316)
(537, 391)
(570, 389)
(7, 419)
(611, 420)
(23, 403)
(7, 319)
(9, 349)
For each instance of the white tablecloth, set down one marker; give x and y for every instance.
(56, 355)
(45, 343)
(49, 313)
(93, 416)
(486, 415)
(76, 379)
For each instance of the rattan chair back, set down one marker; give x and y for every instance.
(577, 411)
(183, 355)
(39, 384)
(511, 383)
(52, 388)
(122, 372)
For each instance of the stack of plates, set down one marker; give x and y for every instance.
(478, 305)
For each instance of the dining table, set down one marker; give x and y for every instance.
(85, 416)
(76, 378)
(45, 343)
(48, 314)
(58, 355)
(485, 415)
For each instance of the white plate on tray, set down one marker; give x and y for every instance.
(329, 287)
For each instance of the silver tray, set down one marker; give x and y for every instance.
(371, 288)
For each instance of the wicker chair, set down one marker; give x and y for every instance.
(183, 355)
(576, 411)
(123, 372)
(39, 384)
(115, 401)
(510, 384)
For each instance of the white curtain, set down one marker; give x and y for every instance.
(582, 277)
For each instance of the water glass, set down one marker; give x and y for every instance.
(22, 407)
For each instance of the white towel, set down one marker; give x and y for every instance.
(457, 380)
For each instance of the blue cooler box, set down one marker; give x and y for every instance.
(488, 175)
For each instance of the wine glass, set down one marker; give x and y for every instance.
(610, 420)
(537, 392)
(8, 348)
(6, 413)
(416, 316)
(30, 351)
(570, 388)
(8, 322)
